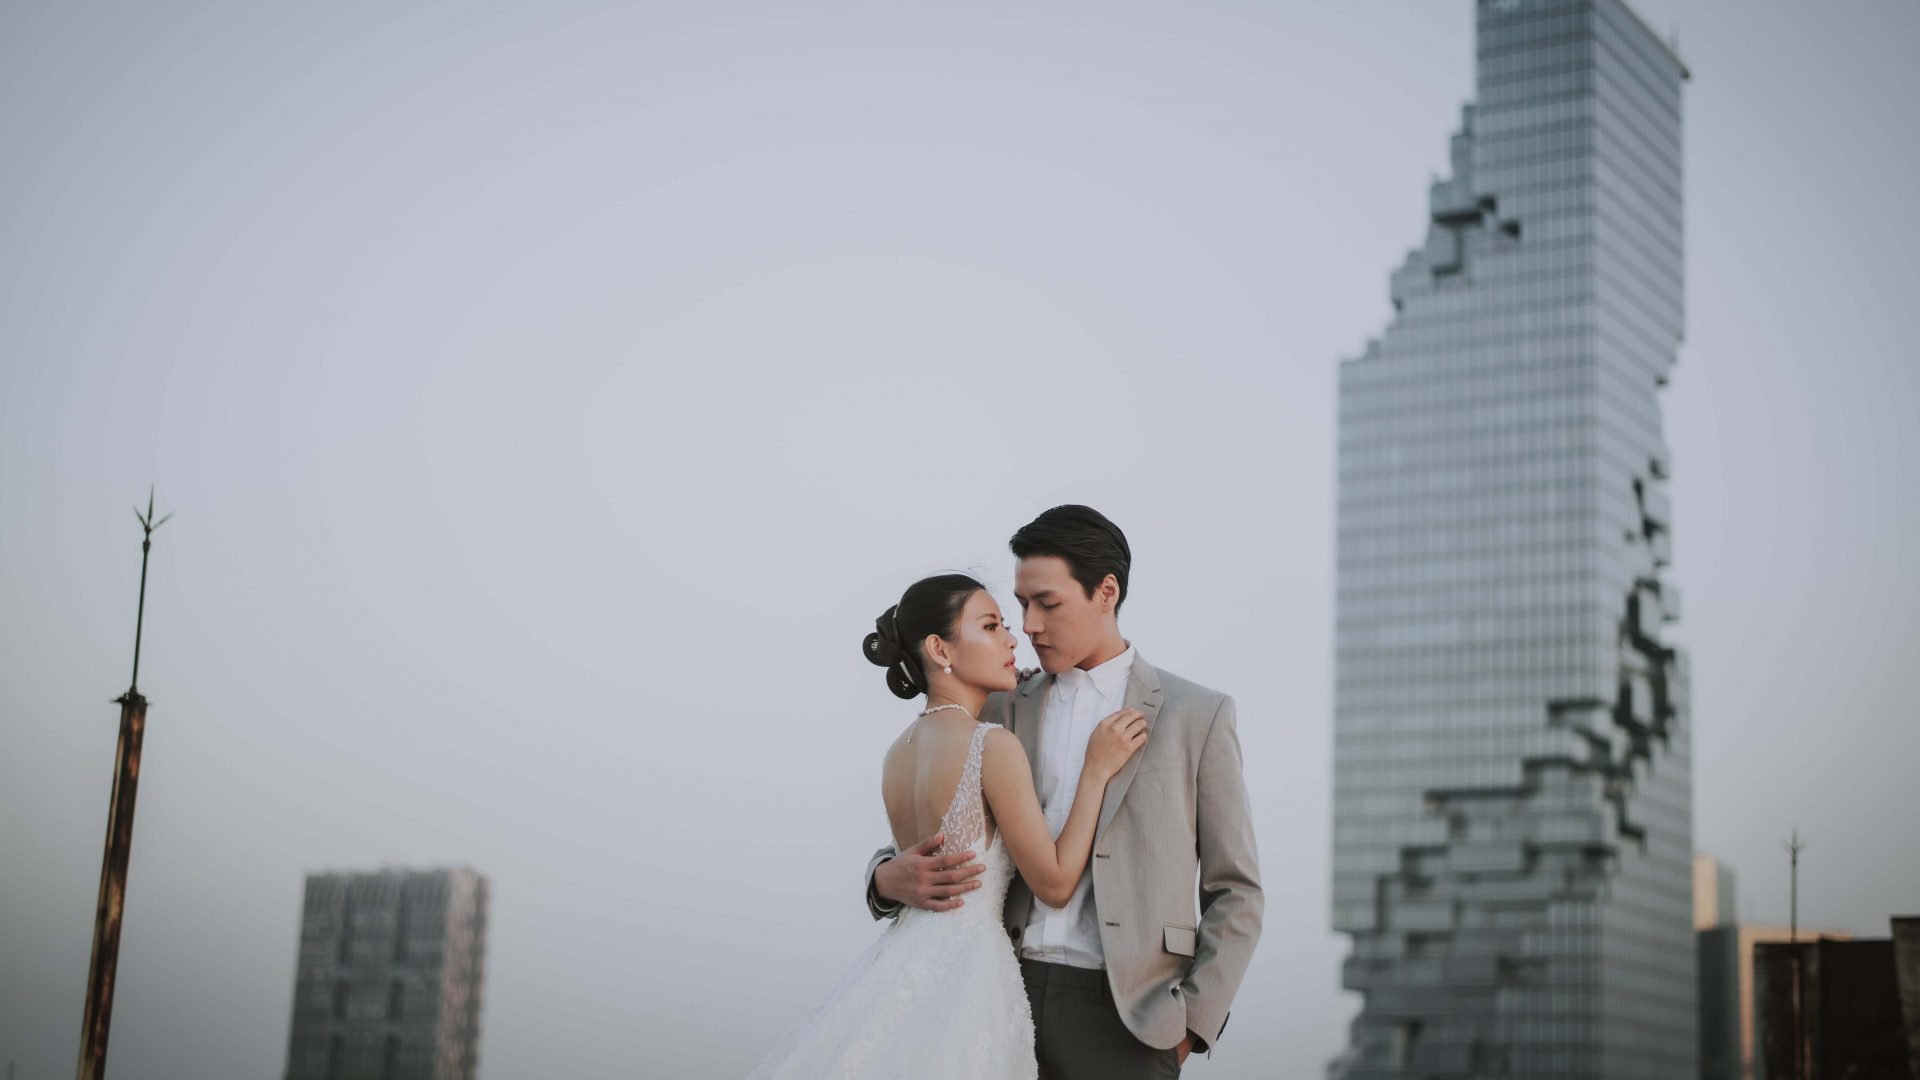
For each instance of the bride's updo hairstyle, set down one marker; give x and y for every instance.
(931, 606)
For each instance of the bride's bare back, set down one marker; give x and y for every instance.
(919, 779)
(957, 769)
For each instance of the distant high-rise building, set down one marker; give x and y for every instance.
(1725, 950)
(1713, 903)
(1840, 1010)
(1512, 789)
(389, 979)
(1722, 997)
(1730, 1028)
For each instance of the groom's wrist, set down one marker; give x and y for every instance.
(880, 905)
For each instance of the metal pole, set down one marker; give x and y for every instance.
(140, 614)
(1794, 846)
(111, 904)
(113, 889)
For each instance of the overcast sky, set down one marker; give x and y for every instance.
(552, 395)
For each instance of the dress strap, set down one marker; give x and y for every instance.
(965, 821)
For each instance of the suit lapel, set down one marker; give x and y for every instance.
(1143, 693)
(1029, 709)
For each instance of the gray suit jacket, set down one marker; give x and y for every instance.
(1176, 813)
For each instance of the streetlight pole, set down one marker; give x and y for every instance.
(113, 868)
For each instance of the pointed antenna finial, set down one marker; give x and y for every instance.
(147, 525)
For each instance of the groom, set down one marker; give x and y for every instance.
(1124, 980)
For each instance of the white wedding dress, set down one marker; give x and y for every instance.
(939, 995)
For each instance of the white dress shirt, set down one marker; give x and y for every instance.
(1079, 701)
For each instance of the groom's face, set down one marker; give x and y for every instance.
(1064, 624)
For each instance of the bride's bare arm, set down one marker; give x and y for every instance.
(1052, 868)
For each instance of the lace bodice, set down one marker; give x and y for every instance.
(965, 822)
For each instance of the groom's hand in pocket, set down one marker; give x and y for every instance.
(918, 878)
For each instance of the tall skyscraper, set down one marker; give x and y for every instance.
(1512, 817)
(389, 979)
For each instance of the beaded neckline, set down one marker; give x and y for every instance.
(935, 709)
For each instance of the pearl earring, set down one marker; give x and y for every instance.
(948, 669)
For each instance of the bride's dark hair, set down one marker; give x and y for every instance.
(930, 606)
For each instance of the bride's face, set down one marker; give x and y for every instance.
(981, 649)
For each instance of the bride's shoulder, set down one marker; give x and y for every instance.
(1001, 744)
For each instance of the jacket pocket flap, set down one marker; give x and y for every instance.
(1179, 939)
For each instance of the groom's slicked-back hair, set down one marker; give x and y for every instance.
(1092, 546)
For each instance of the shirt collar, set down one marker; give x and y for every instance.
(1105, 679)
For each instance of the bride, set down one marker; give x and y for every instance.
(939, 994)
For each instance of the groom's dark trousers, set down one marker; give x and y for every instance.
(1077, 1032)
